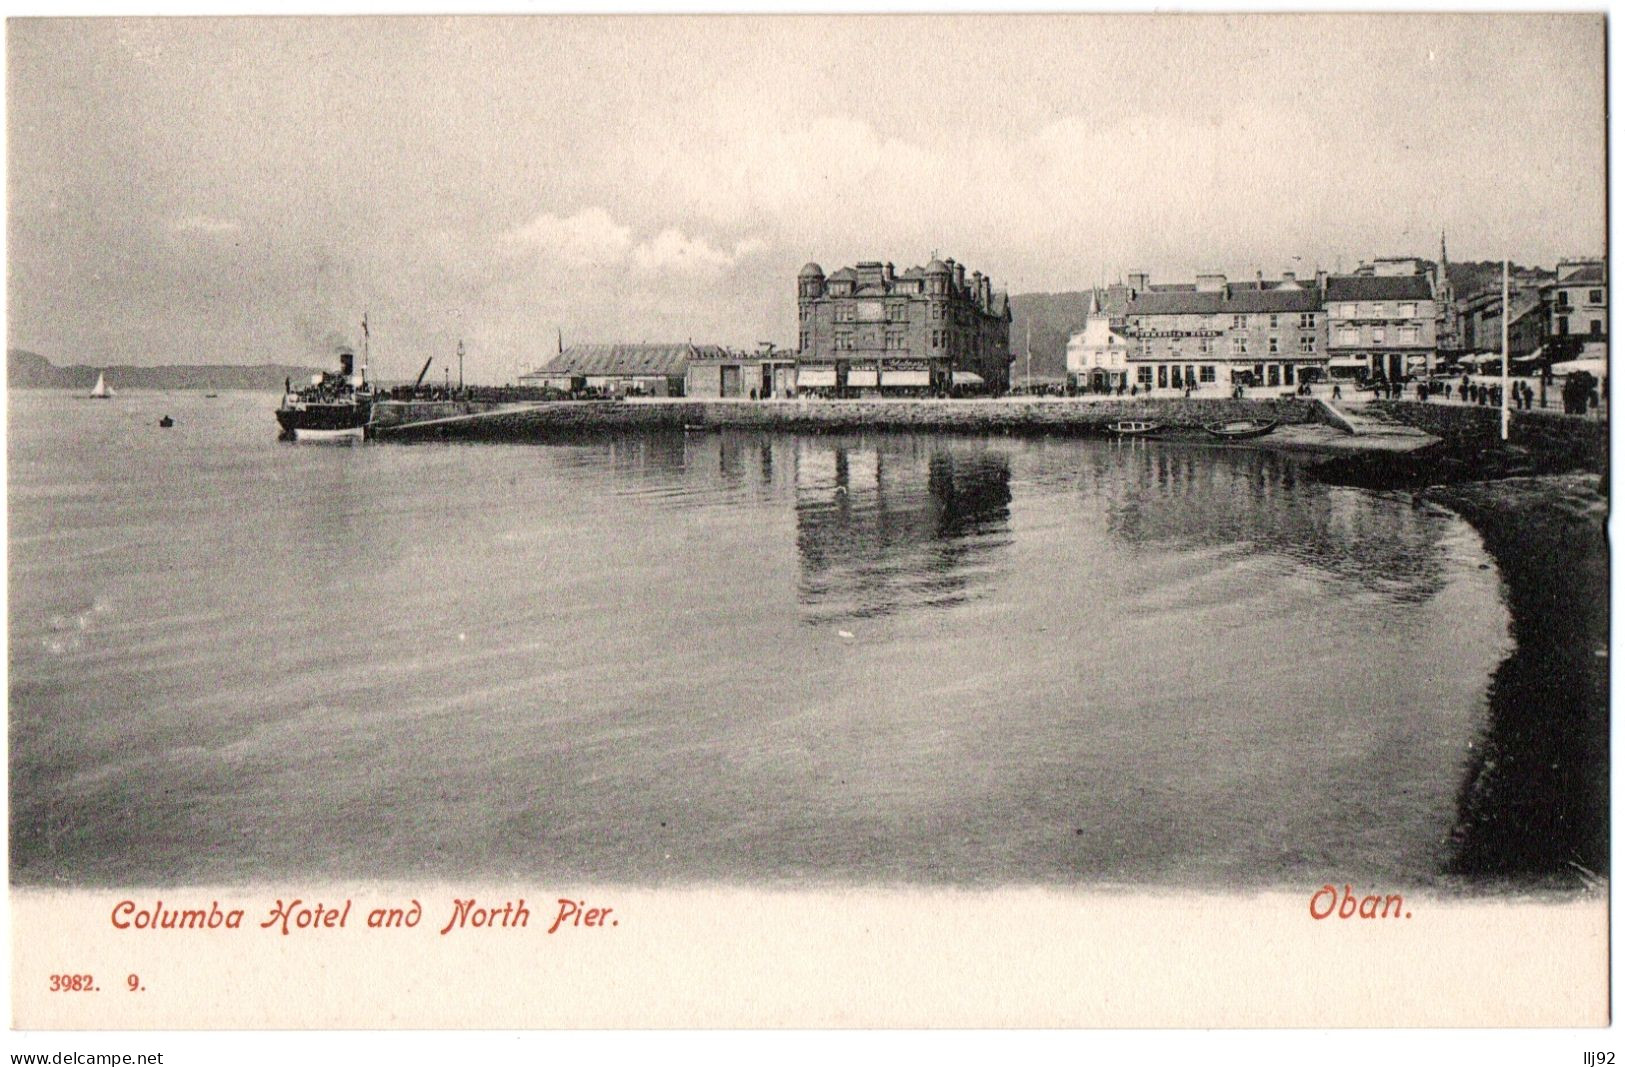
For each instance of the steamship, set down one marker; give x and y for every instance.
(331, 407)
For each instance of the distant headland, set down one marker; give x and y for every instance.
(30, 370)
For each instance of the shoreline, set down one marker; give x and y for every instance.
(1534, 802)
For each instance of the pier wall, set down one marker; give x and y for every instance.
(1556, 438)
(401, 412)
(1057, 416)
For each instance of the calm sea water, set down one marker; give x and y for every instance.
(739, 657)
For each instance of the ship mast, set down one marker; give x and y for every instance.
(365, 338)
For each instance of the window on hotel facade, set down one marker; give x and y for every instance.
(1409, 335)
(1238, 322)
(1275, 321)
(1240, 344)
(1348, 335)
(1208, 373)
(1204, 346)
(1275, 344)
(1348, 311)
(1407, 311)
(1378, 335)
(896, 312)
(804, 340)
(1162, 375)
(1596, 327)
(1306, 321)
(1145, 376)
(1594, 297)
(1306, 343)
(845, 313)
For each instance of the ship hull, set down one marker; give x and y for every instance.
(325, 422)
(355, 433)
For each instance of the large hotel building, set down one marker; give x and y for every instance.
(870, 331)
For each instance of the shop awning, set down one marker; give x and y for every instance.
(968, 377)
(1348, 361)
(862, 379)
(917, 378)
(815, 378)
(1595, 367)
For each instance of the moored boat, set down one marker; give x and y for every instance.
(333, 406)
(1240, 429)
(1134, 427)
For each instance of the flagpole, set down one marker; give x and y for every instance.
(1029, 357)
(1506, 332)
(365, 348)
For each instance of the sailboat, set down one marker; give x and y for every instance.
(101, 391)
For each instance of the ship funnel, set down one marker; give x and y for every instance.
(346, 362)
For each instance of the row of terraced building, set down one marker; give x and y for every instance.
(1383, 321)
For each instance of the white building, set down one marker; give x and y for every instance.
(1097, 355)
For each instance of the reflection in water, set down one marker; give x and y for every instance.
(649, 453)
(1261, 502)
(898, 524)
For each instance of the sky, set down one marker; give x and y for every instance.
(242, 190)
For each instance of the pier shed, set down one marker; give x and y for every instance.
(761, 375)
(621, 369)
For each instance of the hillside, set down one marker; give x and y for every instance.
(29, 370)
(1054, 317)
(1485, 276)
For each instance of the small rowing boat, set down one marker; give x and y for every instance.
(1134, 427)
(1240, 429)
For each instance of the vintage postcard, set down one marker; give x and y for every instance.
(1053, 521)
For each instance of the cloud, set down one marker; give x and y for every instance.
(588, 238)
(204, 224)
(593, 240)
(790, 171)
(672, 250)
